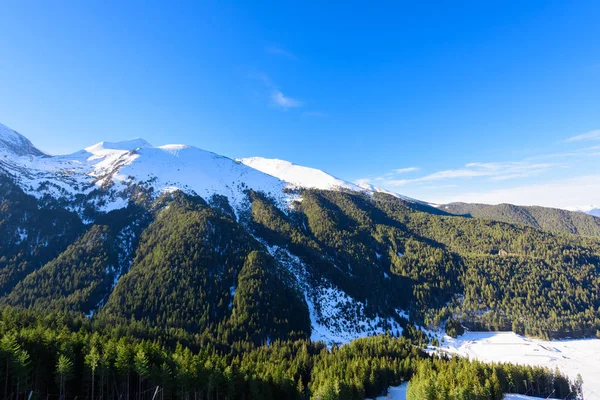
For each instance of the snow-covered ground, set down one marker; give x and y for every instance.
(572, 357)
(395, 393)
(336, 318)
(307, 177)
(399, 393)
(298, 175)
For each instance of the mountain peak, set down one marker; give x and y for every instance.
(16, 144)
(125, 145)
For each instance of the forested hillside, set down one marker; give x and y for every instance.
(342, 264)
(195, 296)
(549, 219)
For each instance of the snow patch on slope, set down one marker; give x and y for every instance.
(336, 318)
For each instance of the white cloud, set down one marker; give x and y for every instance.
(591, 151)
(539, 180)
(278, 99)
(495, 171)
(439, 186)
(388, 178)
(591, 135)
(283, 101)
(570, 193)
(281, 52)
(404, 170)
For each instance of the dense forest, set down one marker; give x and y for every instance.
(62, 357)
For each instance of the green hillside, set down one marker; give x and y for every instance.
(549, 219)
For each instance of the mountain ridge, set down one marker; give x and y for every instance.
(12, 142)
(546, 218)
(100, 164)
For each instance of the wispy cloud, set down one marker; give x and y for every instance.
(439, 186)
(563, 193)
(537, 180)
(277, 98)
(280, 52)
(591, 151)
(405, 170)
(282, 101)
(591, 135)
(264, 78)
(495, 171)
(388, 177)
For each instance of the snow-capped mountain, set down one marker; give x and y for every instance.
(100, 175)
(307, 177)
(13, 143)
(113, 167)
(298, 175)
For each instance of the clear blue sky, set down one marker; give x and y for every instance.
(358, 90)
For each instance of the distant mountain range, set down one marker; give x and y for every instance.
(550, 219)
(592, 210)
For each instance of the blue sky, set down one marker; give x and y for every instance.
(441, 101)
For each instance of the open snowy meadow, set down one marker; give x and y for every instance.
(399, 393)
(572, 357)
